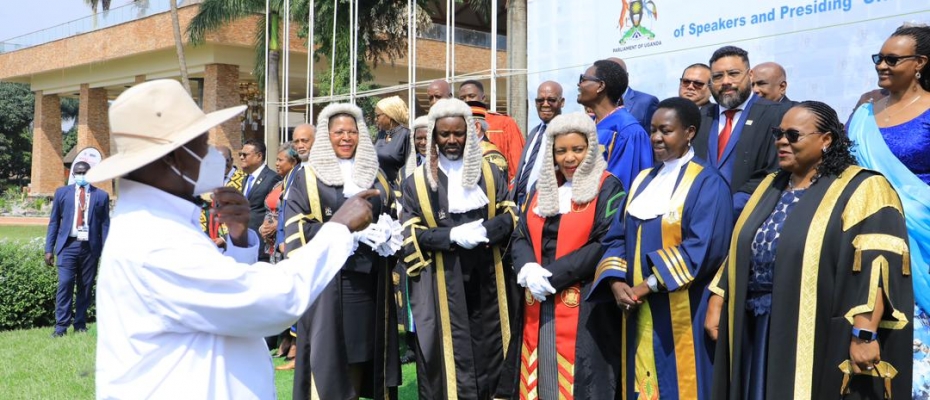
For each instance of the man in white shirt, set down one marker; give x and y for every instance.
(177, 318)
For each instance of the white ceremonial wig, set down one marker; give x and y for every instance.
(323, 158)
(587, 178)
(472, 154)
(411, 164)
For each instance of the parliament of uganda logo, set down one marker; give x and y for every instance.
(632, 14)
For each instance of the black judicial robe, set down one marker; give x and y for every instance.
(843, 240)
(462, 300)
(596, 359)
(330, 335)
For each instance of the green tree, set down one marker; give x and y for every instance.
(16, 112)
(382, 37)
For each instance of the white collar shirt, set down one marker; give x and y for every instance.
(77, 209)
(722, 118)
(179, 319)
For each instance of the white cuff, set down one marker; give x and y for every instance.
(245, 255)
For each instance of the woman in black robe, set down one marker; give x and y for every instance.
(815, 300)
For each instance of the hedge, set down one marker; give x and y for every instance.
(27, 286)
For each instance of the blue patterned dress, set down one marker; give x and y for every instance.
(759, 297)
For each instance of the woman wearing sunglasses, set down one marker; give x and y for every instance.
(622, 139)
(893, 137)
(816, 292)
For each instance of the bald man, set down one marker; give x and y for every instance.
(770, 81)
(549, 103)
(303, 137)
(694, 84)
(503, 130)
(437, 90)
(642, 105)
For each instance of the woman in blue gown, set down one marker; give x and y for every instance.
(893, 137)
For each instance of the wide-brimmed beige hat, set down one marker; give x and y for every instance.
(150, 120)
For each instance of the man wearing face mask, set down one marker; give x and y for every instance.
(77, 229)
(176, 316)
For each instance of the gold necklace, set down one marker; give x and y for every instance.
(888, 117)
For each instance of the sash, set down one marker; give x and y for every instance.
(873, 153)
(574, 231)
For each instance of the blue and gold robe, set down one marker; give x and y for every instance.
(666, 353)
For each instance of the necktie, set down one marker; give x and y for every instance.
(248, 185)
(528, 166)
(724, 136)
(82, 205)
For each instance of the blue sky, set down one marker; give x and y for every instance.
(19, 17)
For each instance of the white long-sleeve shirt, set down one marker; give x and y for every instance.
(179, 319)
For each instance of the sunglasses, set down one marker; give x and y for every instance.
(243, 154)
(696, 84)
(550, 100)
(793, 135)
(890, 60)
(583, 78)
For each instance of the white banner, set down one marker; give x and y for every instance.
(824, 45)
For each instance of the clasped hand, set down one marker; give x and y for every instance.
(469, 235)
(535, 278)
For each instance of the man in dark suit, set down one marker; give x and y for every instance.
(259, 181)
(76, 232)
(769, 80)
(642, 105)
(549, 103)
(735, 134)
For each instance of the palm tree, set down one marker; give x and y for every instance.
(179, 45)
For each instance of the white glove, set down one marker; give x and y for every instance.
(469, 235)
(535, 278)
(374, 235)
(395, 237)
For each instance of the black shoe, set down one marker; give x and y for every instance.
(58, 334)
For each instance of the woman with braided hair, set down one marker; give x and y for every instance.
(893, 137)
(815, 299)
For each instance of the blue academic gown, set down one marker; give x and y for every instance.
(625, 144)
(665, 349)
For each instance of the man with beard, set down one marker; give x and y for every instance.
(695, 84)
(735, 135)
(457, 221)
(549, 103)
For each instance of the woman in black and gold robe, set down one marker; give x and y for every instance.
(347, 340)
(566, 348)
(816, 294)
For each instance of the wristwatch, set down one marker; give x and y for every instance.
(652, 283)
(864, 334)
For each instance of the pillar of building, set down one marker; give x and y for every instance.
(47, 164)
(221, 90)
(94, 125)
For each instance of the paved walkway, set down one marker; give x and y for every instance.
(7, 221)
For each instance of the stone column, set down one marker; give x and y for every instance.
(94, 125)
(221, 90)
(47, 166)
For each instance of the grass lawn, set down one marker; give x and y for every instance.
(22, 232)
(35, 366)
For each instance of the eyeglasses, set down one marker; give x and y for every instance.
(550, 100)
(344, 133)
(793, 135)
(734, 74)
(243, 154)
(583, 78)
(689, 82)
(891, 60)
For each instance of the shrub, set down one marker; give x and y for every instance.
(27, 286)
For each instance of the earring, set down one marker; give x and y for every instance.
(918, 74)
(824, 150)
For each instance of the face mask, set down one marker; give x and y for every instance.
(80, 180)
(211, 174)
